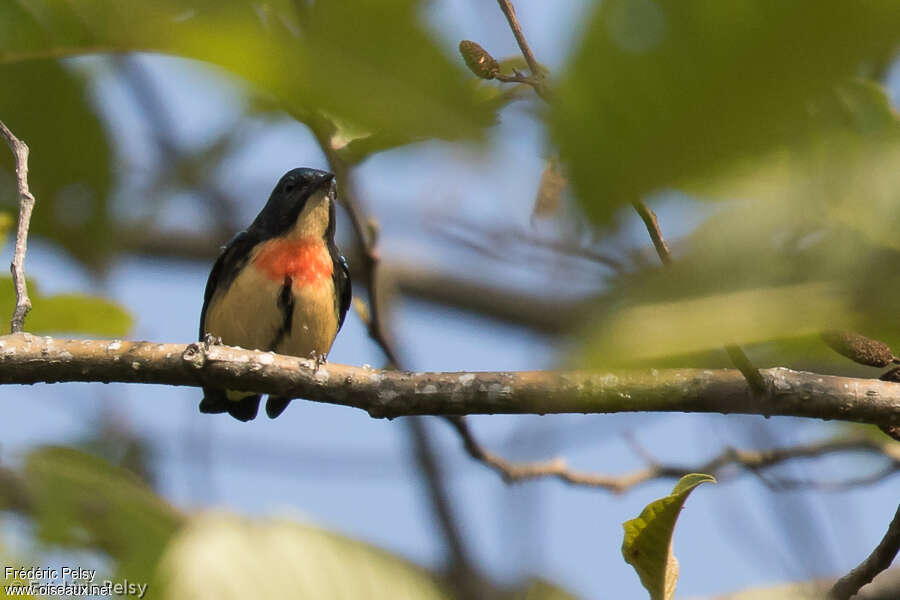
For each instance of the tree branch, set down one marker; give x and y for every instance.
(753, 460)
(537, 73)
(879, 560)
(26, 205)
(27, 359)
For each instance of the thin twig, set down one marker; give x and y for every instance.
(517, 77)
(752, 460)
(879, 560)
(652, 224)
(536, 71)
(740, 360)
(780, 484)
(502, 243)
(26, 205)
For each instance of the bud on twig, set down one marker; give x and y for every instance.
(479, 61)
(859, 348)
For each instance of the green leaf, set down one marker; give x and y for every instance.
(7, 221)
(664, 92)
(69, 167)
(278, 555)
(697, 324)
(804, 250)
(67, 313)
(273, 555)
(648, 539)
(82, 501)
(538, 589)
(373, 64)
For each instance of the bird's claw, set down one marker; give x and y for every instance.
(320, 359)
(211, 340)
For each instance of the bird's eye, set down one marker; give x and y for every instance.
(289, 186)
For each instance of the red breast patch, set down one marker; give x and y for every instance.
(306, 260)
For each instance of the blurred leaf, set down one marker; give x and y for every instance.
(538, 589)
(757, 271)
(648, 539)
(550, 190)
(4, 580)
(7, 221)
(370, 63)
(69, 168)
(811, 244)
(84, 502)
(517, 62)
(67, 313)
(671, 91)
(864, 128)
(658, 330)
(119, 445)
(282, 559)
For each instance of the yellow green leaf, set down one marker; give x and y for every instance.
(374, 64)
(662, 92)
(67, 313)
(648, 539)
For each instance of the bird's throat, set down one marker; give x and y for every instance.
(305, 260)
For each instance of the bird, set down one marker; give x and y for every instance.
(280, 285)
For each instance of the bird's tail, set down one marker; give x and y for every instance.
(275, 405)
(216, 401)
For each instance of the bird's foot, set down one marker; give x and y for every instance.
(320, 360)
(211, 340)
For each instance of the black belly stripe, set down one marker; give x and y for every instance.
(286, 306)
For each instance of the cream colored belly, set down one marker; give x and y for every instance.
(249, 315)
(314, 323)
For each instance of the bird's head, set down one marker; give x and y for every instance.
(301, 205)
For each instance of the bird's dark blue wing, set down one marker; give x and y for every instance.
(233, 258)
(342, 287)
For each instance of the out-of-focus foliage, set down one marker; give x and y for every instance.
(665, 92)
(67, 313)
(82, 501)
(4, 580)
(120, 446)
(70, 164)
(648, 538)
(279, 557)
(371, 63)
(372, 66)
(803, 243)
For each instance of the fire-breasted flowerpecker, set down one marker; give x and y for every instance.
(281, 285)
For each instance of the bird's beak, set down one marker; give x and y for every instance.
(331, 185)
(324, 180)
